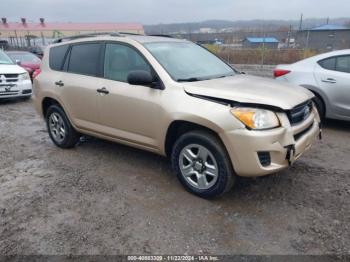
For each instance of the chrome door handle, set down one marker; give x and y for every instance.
(103, 90)
(329, 80)
(59, 83)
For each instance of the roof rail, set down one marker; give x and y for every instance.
(160, 35)
(68, 38)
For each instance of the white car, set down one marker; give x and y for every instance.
(14, 80)
(328, 77)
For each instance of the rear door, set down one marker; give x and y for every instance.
(78, 82)
(333, 77)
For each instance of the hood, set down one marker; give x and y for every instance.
(251, 89)
(11, 69)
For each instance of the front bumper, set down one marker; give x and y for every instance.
(17, 89)
(284, 145)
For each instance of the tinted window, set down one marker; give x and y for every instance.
(343, 64)
(57, 55)
(120, 60)
(328, 63)
(85, 59)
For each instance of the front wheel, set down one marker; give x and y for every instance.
(60, 129)
(320, 107)
(202, 164)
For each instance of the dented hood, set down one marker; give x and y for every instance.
(251, 89)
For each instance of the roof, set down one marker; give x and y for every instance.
(262, 40)
(154, 39)
(143, 39)
(329, 27)
(71, 26)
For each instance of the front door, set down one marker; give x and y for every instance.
(128, 112)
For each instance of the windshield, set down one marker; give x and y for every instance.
(24, 58)
(4, 59)
(186, 62)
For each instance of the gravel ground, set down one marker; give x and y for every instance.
(105, 198)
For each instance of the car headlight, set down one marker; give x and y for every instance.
(256, 118)
(24, 76)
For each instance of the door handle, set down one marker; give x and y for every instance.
(59, 83)
(329, 80)
(103, 90)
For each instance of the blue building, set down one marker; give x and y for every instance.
(257, 42)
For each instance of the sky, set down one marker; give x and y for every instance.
(170, 11)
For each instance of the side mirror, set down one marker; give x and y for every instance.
(18, 62)
(142, 78)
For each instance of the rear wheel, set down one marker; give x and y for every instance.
(60, 129)
(202, 164)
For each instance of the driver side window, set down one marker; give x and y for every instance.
(120, 60)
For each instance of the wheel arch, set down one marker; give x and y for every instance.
(47, 102)
(180, 127)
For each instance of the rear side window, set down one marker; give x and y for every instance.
(339, 63)
(85, 59)
(328, 63)
(57, 56)
(343, 64)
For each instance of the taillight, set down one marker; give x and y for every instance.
(36, 73)
(280, 72)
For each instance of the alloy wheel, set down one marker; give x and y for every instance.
(198, 166)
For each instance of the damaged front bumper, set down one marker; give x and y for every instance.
(259, 153)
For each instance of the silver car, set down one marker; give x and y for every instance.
(328, 77)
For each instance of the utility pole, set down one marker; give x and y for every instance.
(289, 35)
(301, 23)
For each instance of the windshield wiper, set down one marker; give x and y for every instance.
(191, 79)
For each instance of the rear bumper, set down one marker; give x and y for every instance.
(21, 89)
(280, 147)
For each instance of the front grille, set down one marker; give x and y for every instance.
(299, 113)
(264, 158)
(8, 78)
(302, 133)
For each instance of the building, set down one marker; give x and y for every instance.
(25, 33)
(260, 42)
(324, 38)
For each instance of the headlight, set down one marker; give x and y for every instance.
(256, 118)
(24, 76)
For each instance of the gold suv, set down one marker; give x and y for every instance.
(174, 98)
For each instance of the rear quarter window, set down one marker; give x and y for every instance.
(338, 63)
(57, 56)
(328, 63)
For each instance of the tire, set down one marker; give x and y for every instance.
(215, 155)
(320, 107)
(56, 119)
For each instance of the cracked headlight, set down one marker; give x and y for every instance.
(256, 118)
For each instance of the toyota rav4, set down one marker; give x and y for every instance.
(177, 99)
